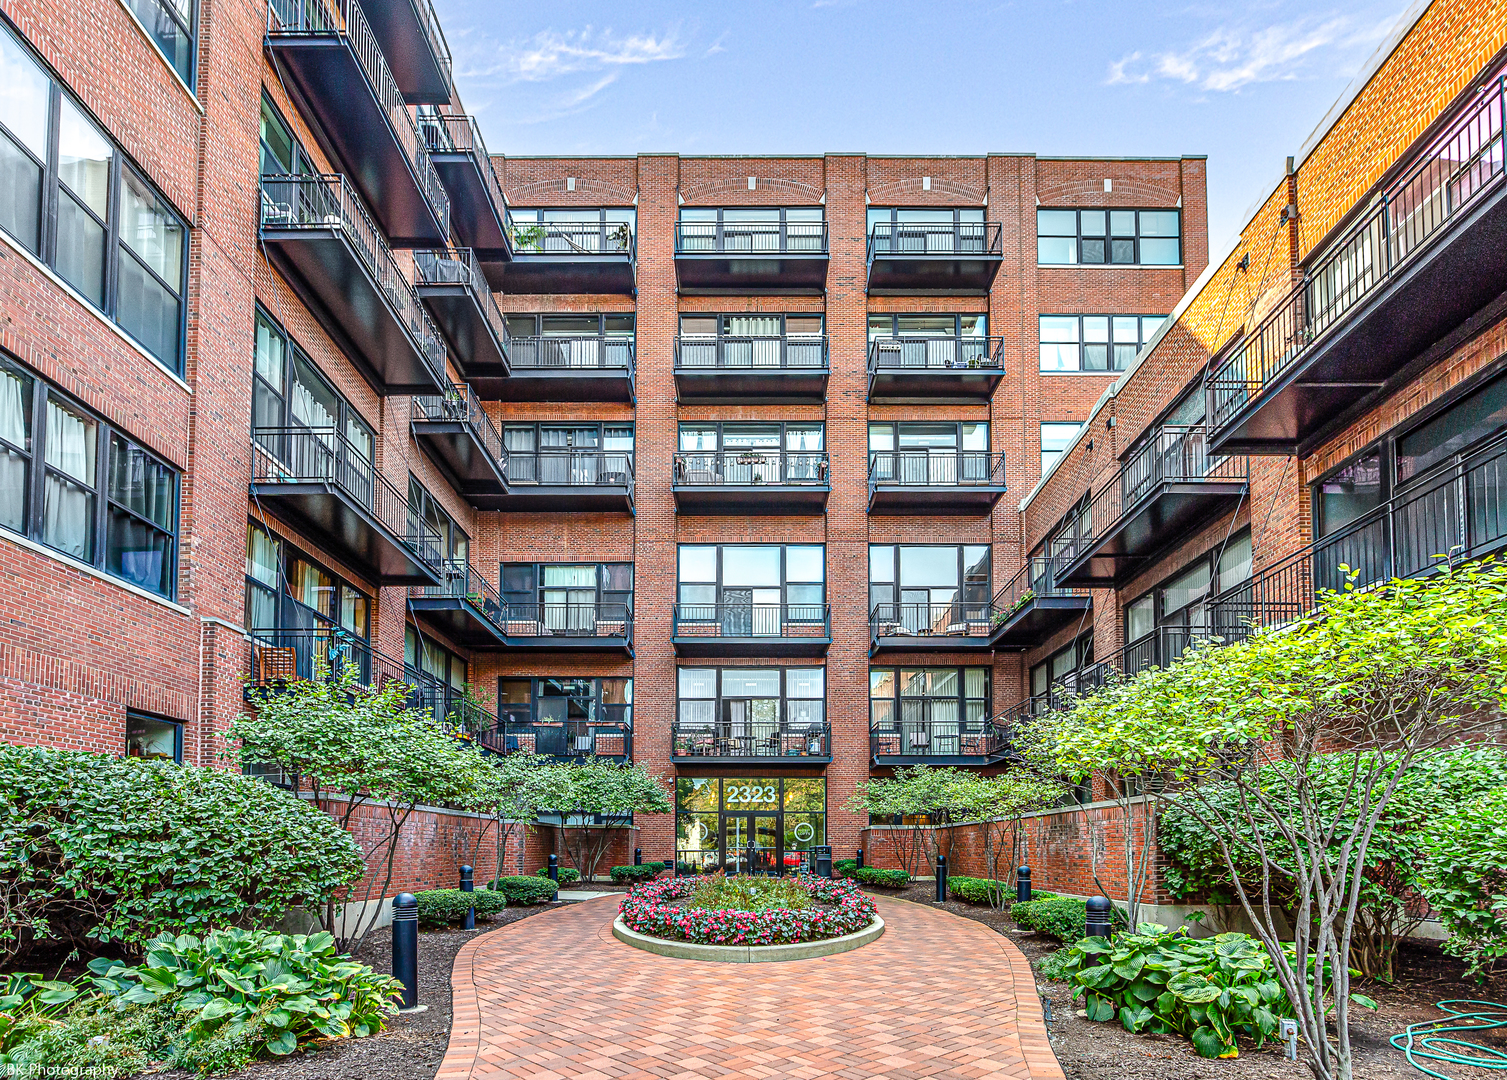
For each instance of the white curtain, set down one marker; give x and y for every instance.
(13, 465)
(68, 508)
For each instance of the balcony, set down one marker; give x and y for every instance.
(571, 257)
(1031, 607)
(751, 370)
(450, 283)
(478, 210)
(930, 733)
(414, 46)
(462, 440)
(466, 607)
(328, 490)
(610, 737)
(940, 260)
(1426, 255)
(764, 257)
(565, 480)
(752, 742)
(934, 370)
(750, 482)
(1165, 489)
(950, 482)
(581, 368)
(320, 238)
(766, 630)
(949, 627)
(332, 65)
(593, 628)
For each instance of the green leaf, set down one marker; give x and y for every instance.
(1207, 1043)
(1363, 1001)
(1199, 994)
(285, 1043)
(1099, 1009)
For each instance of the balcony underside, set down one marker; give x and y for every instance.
(1459, 273)
(750, 386)
(325, 75)
(695, 645)
(467, 464)
(403, 36)
(523, 498)
(1163, 516)
(933, 386)
(772, 274)
(458, 619)
(557, 384)
(762, 760)
(323, 268)
(475, 216)
(900, 640)
(1038, 619)
(473, 344)
(534, 638)
(895, 760)
(764, 500)
(938, 275)
(948, 499)
(346, 529)
(550, 273)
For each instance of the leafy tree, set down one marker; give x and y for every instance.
(593, 798)
(510, 792)
(997, 803)
(1465, 877)
(925, 799)
(1401, 670)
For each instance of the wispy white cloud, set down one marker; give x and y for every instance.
(717, 46)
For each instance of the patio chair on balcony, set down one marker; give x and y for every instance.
(276, 665)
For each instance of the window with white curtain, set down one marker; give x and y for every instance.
(750, 701)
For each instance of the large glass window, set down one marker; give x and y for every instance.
(1055, 438)
(928, 711)
(170, 24)
(1349, 493)
(926, 452)
(566, 716)
(1181, 602)
(929, 588)
(286, 590)
(743, 824)
(574, 231)
(749, 702)
(750, 228)
(68, 196)
(751, 339)
(750, 590)
(569, 454)
(455, 545)
(744, 453)
(293, 404)
(152, 739)
(581, 599)
(1093, 342)
(926, 230)
(1131, 237)
(1471, 419)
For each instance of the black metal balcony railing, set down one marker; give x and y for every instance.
(309, 18)
(936, 468)
(923, 728)
(752, 353)
(571, 468)
(1034, 579)
(572, 238)
(751, 238)
(954, 619)
(462, 581)
(460, 405)
(436, 38)
(450, 134)
(458, 266)
(806, 737)
(1448, 179)
(610, 736)
(750, 468)
(327, 201)
(964, 239)
(323, 456)
(738, 620)
(907, 353)
(582, 353)
(566, 620)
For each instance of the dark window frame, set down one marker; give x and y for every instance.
(1162, 617)
(779, 211)
(1109, 345)
(784, 697)
(538, 318)
(537, 571)
(784, 427)
(894, 212)
(133, 716)
(510, 712)
(896, 425)
(961, 698)
(957, 324)
(1109, 236)
(190, 29)
(287, 551)
(792, 611)
(723, 316)
(1082, 648)
(291, 352)
(898, 588)
(426, 502)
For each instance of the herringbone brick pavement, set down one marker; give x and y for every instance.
(556, 996)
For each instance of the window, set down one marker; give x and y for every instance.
(1062, 671)
(1129, 237)
(569, 454)
(582, 599)
(1093, 342)
(928, 711)
(68, 196)
(1471, 419)
(1348, 493)
(930, 341)
(1181, 602)
(749, 228)
(745, 453)
(928, 588)
(73, 483)
(917, 452)
(752, 590)
(170, 24)
(285, 590)
(576, 231)
(1055, 438)
(751, 340)
(744, 701)
(152, 739)
(296, 412)
(566, 716)
(922, 231)
(421, 653)
(281, 153)
(927, 326)
(455, 546)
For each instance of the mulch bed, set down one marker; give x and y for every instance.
(1090, 1051)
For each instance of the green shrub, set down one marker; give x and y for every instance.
(977, 890)
(1060, 917)
(844, 868)
(885, 879)
(1465, 878)
(97, 847)
(624, 875)
(567, 875)
(524, 890)
(446, 907)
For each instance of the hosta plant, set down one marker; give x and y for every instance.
(659, 909)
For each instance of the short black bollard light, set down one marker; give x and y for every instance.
(405, 946)
(638, 856)
(554, 875)
(1023, 884)
(468, 884)
(941, 878)
(1098, 916)
(859, 860)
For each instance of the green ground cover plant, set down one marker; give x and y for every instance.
(1061, 917)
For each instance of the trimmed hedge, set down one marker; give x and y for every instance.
(623, 875)
(884, 879)
(524, 890)
(446, 907)
(844, 868)
(568, 875)
(976, 890)
(649, 909)
(1060, 917)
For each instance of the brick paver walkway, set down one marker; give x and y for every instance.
(557, 996)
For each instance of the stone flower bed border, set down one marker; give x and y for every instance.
(648, 910)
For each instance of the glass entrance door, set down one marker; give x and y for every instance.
(750, 843)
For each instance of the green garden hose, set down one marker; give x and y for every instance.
(1427, 1039)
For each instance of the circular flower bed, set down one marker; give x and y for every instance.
(651, 909)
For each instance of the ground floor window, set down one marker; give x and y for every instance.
(153, 739)
(758, 824)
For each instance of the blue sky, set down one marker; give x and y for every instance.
(1243, 83)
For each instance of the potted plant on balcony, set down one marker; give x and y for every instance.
(620, 237)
